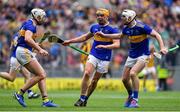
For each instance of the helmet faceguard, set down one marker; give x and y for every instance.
(38, 15)
(128, 16)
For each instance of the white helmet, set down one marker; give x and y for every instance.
(39, 15)
(129, 14)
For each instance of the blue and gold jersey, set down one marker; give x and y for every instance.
(139, 41)
(14, 45)
(27, 25)
(100, 53)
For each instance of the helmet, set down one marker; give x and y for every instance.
(129, 14)
(39, 15)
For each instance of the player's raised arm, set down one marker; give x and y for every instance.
(79, 39)
(156, 35)
(113, 36)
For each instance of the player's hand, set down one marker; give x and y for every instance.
(47, 33)
(99, 34)
(101, 46)
(43, 52)
(66, 42)
(163, 51)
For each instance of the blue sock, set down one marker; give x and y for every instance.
(136, 94)
(29, 90)
(83, 98)
(130, 92)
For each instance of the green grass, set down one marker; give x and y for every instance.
(99, 101)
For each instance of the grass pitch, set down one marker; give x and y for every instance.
(99, 101)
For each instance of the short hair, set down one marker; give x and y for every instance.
(103, 11)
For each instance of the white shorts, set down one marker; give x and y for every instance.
(149, 70)
(24, 55)
(101, 66)
(130, 62)
(15, 65)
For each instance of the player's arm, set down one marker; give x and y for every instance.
(30, 41)
(79, 39)
(158, 37)
(33, 44)
(113, 36)
(115, 45)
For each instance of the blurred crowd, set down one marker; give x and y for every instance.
(72, 18)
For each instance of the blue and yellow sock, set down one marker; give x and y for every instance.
(45, 99)
(21, 92)
(135, 95)
(83, 98)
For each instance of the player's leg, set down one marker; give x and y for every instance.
(127, 84)
(8, 76)
(43, 90)
(144, 82)
(90, 89)
(89, 69)
(28, 60)
(93, 83)
(40, 78)
(102, 67)
(14, 68)
(135, 70)
(145, 76)
(27, 76)
(34, 68)
(155, 78)
(126, 79)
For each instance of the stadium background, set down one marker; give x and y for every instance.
(71, 18)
